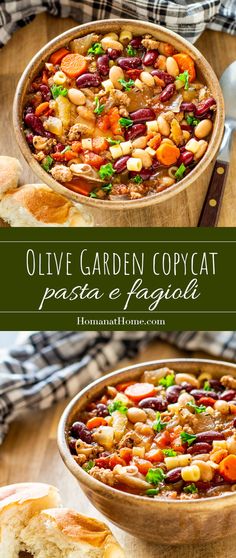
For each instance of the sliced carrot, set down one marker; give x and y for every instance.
(143, 465)
(95, 422)
(167, 154)
(69, 155)
(227, 468)
(185, 62)
(42, 108)
(114, 117)
(83, 189)
(73, 65)
(103, 123)
(57, 56)
(99, 144)
(124, 385)
(126, 454)
(76, 146)
(154, 455)
(139, 391)
(116, 460)
(45, 78)
(93, 159)
(232, 408)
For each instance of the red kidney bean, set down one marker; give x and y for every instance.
(172, 393)
(216, 385)
(146, 173)
(101, 410)
(120, 164)
(209, 436)
(218, 479)
(185, 385)
(136, 42)
(167, 78)
(201, 485)
(129, 62)
(103, 64)
(135, 131)
(201, 447)
(187, 107)
(72, 445)
(142, 115)
(204, 106)
(58, 147)
(234, 422)
(167, 93)
(29, 110)
(150, 57)
(156, 403)
(174, 475)
(155, 166)
(186, 127)
(88, 80)
(228, 395)
(35, 124)
(198, 393)
(46, 93)
(29, 137)
(205, 115)
(113, 53)
(79, 430)
(186, 157)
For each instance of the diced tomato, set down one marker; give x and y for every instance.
(164, 440)
(99, 144)
(95, 422)
(143, 465)
(116, 460)
(175, 432)
(104, 399)
(103, 122)
(58, 156)
(139, 391)
(126, 454)
(45, 78)
(133, 74)
(154, 455)
(232, 408)
(177, 445)
(76, 146)
(114, 117)
(207, 401)
(93, 159)
(103, 462)
(122, 387)
(69, 155)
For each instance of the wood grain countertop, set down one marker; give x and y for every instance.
(30, 453)
(218, 48)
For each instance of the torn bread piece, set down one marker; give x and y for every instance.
(65, 533)
(10, 172)
(18, 504)
(36, 205)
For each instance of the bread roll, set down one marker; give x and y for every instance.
(10, 171)
(18, 503)
(36, 205)
(64, 533)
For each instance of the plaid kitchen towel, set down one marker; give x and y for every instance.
(186, 17)
(49, 366)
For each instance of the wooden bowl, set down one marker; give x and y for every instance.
(146, 211)
(160, 521)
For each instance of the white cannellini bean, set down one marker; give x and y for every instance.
(231, 444)
(221, 406)
(144, 156)
(152, 126)
(109, 42)
(185, 398)
(139, 84)
(140, 143)
(108, 85)
(76, 96)
(172, 66)
(59, 78)
(203, 129)
(167, 181)
(182, 377)
(147, 78)
(202, 147)
(136, 415)
(206, 472)
(163, 125)
(115, 74)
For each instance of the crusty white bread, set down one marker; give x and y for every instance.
(18, 503)
(10, 171)
(64, 533)
(36, 205)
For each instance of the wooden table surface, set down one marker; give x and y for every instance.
(29, 453)
(218, 48)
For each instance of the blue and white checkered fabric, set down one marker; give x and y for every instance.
(50, 366)
(186, 17)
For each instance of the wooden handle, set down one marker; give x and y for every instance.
(212, 204)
